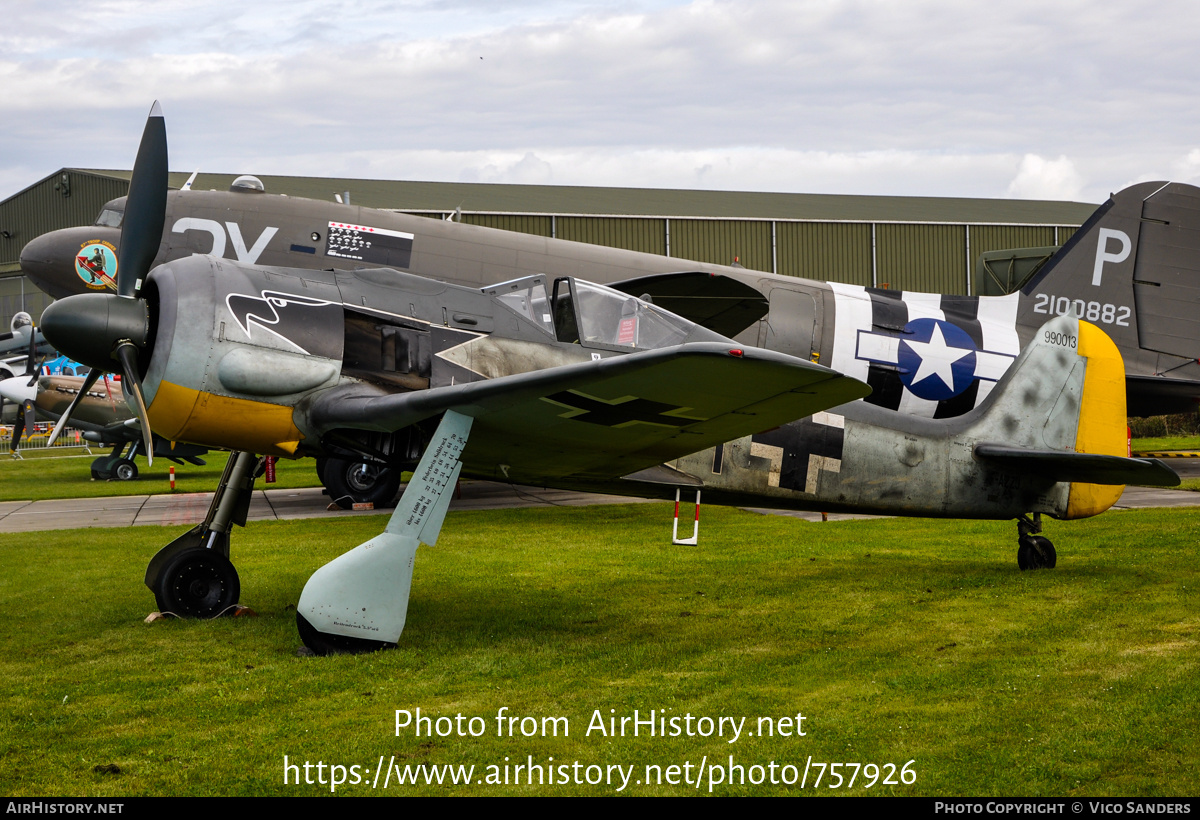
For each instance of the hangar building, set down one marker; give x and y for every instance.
(931, 244)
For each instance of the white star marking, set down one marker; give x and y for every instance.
(937, 358)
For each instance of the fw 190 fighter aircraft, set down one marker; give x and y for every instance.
(557, 382)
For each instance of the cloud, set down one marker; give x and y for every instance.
(857, 94)
(528, 170)
(1187, 169)
(1039, 178)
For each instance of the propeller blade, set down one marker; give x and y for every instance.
(31, 366)
(145, 207)
(92, 376)
(25, 410)
(127, 353)
(18, 429)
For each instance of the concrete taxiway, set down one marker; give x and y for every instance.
(279, 505)
(265, 505)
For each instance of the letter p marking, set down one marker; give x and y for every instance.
(1102, 254)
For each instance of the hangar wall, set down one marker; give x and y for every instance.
(910, 243)
(931, 257)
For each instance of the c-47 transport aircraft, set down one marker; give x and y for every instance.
(1132, 269)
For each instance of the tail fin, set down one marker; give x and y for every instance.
(1059, 414)
(1133, 269)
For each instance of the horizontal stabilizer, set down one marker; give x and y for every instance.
(717, 302)
(1090, 468)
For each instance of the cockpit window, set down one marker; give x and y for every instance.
(595, 315)
(110, 218)
(527, 297)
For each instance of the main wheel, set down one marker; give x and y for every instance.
(198, 583)
(125, 470)
(351, 482)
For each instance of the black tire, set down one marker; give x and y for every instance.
(198, 583)
(125, 470)
(322, 643)
(1049, 557)
(1027, 555)
(102, 467)
(356, 482)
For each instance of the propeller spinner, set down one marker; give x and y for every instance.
(109, 332)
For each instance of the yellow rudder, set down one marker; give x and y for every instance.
(1102, 419)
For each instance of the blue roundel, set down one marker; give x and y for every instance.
(936, 359)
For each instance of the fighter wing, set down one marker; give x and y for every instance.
(609, 417)
(1090, 468)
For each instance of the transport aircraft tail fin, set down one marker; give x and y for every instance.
(1133, 269)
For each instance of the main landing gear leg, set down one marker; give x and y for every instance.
(193, 576)
(1034, 551)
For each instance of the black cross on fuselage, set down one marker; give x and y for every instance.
(799, 440)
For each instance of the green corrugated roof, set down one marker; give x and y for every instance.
(574, 199)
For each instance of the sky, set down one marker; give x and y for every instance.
(1033, 100)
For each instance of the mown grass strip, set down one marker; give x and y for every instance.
(897, 639)
(38, 477)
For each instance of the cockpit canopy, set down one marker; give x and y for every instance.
(592, 315)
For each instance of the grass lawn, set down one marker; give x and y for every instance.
(40, 475)
(1148, 445)
(898, 640)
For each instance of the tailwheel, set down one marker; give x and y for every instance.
(198, 583)
(1048, 554)
(1026, 554)
(322, 643)
(1036, 552)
